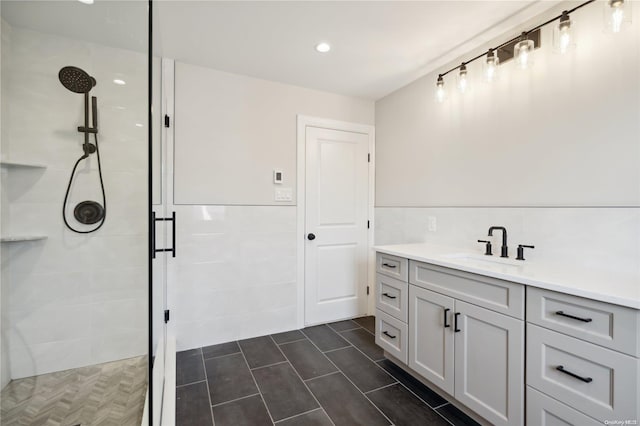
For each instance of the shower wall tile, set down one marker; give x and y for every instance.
(72, 300)
(235, 275)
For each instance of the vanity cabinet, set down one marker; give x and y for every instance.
(582, 354)
(464, 333)
(474, 354)
(392, 298)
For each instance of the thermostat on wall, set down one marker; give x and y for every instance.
(277, 176)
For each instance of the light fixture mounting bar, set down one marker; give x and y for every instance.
(518, 37)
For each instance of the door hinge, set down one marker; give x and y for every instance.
(166, 121)
(368, 158)
(368, 224)
(166, 316)
(367, 290)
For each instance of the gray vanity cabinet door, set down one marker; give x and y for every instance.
(489, 364)
(430, 342)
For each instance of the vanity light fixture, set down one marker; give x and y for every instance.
(323, 47)
(491, 66)
(440, 92)
(523, 51)
(521, 48)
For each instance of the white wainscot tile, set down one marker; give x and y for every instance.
(199, 248)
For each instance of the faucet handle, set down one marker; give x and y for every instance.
(521, 248)
(487, 250)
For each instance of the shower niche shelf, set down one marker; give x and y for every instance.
(21, 238)
(21, 164)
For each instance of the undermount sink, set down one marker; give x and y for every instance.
(482, 261)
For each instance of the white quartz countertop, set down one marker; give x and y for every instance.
(577, 280)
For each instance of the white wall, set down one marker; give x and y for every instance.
(522, 154)
(564, 133)
(74, 299)
(232, 131)
(234, 276)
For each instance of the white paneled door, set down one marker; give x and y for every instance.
(336, 206)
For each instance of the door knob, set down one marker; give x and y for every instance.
(311, 237)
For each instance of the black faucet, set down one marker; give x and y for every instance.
(504, 250)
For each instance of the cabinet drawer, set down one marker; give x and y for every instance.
(391, 335)
(391, 297)
(498, 295)
(598, 382)
(545, 411)
(612, 326)
(392, 266)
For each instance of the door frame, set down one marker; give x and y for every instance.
(304, 121)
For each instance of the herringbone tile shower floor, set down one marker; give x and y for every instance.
(110, 394)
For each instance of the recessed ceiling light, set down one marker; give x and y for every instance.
(119, 82)
(323, 47)
(138, 125)
(86, 1)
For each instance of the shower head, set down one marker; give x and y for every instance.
(76, 80)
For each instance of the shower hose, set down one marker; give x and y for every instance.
(104, 197)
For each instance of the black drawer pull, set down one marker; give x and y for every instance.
(388, 295)
(561, 369)
(455, 322)
(445, 318)
(389, 266)
(386, 333)
(562, 314)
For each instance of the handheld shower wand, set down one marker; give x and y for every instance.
(86, 212)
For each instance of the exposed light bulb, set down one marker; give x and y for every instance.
(491, 66)
(617, 13)
(616, 17)
(564, 30)
(522, 51)
(440, 92)
(463, 82)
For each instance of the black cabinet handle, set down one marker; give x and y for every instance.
(445, 318)
(389, 266)
(455, 322)
(562, 314)
(386, 333)
(311, 237)
(388, 295)
(574, 375)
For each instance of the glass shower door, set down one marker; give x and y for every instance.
(74, 211)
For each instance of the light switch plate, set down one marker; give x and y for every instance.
(283, 194)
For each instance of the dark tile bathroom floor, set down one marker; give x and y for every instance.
(331, 374)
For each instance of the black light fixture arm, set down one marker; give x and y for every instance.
(524, 33)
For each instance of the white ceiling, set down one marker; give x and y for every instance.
(377, 46)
